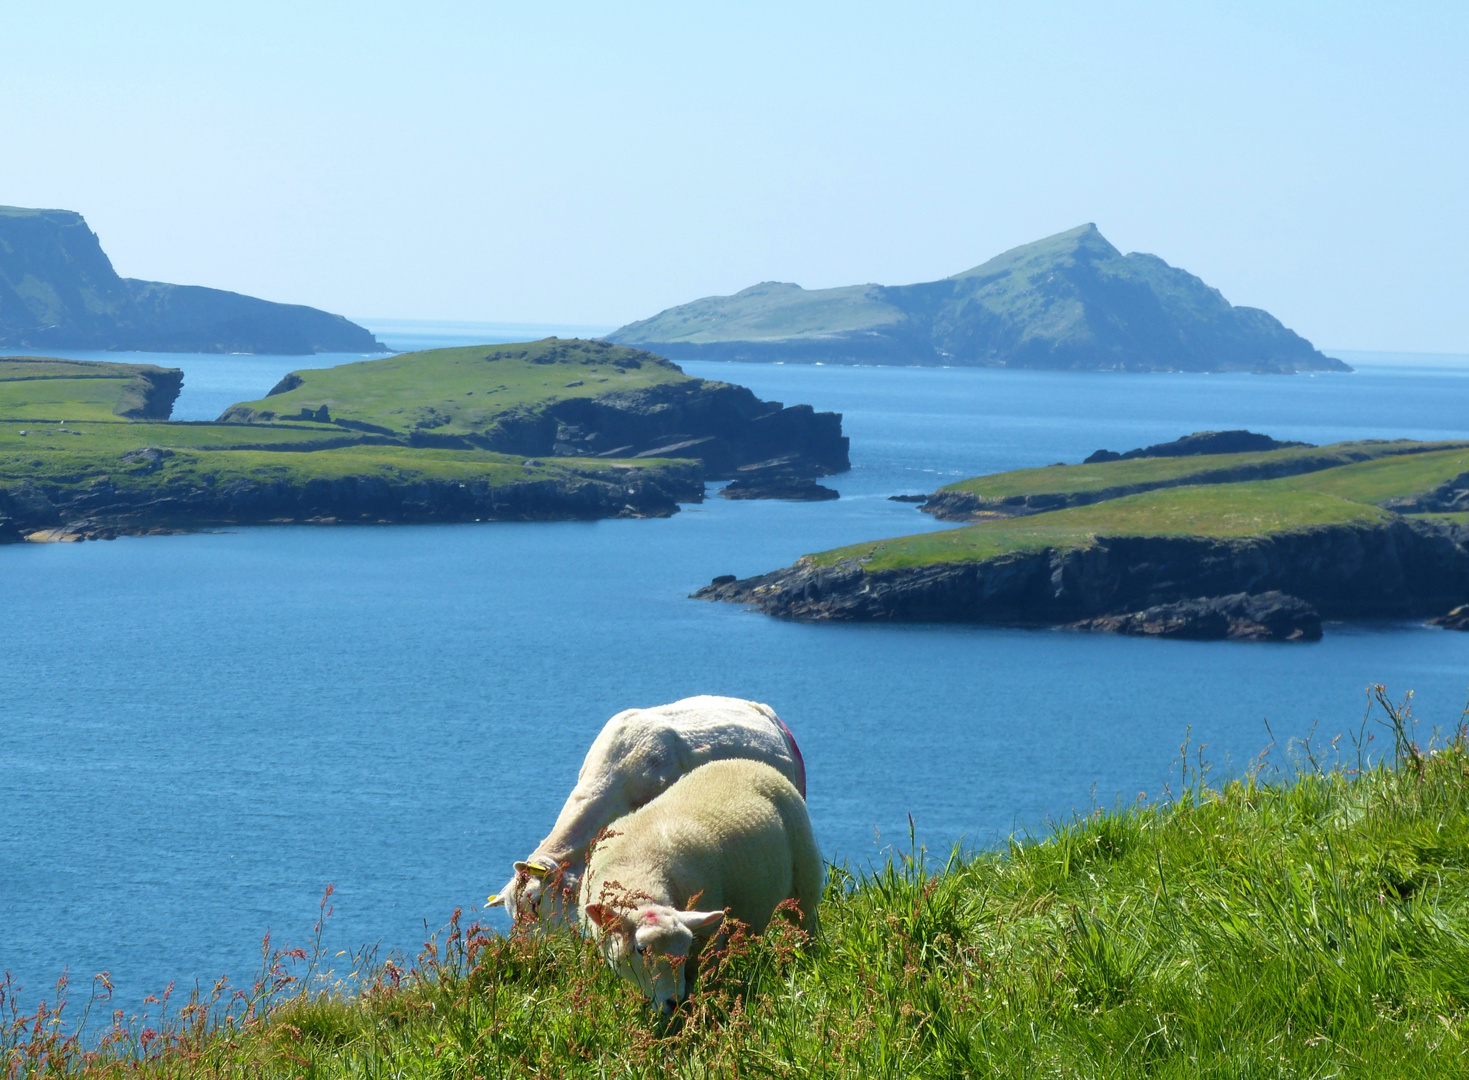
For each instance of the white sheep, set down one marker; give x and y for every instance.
(637, 756)
(732, 837)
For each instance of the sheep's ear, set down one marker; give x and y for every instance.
(701, 922)
(496, 900)
(601, 914)
(533, 869)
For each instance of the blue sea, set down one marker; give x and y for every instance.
(199, 733)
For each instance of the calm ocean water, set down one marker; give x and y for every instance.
(198, 733)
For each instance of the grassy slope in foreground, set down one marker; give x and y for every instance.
(463, 391)
(1311, 929)
(1344, 495)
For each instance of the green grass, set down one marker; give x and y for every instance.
(1316, 927)
(464, 391)
(1120, 475)
(58, 430)
(1344, 494)
(1385, 478)
(120, 435)
(181, 471)
(1225, 511)
(44, 388)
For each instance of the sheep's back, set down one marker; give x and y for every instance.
(726, 835)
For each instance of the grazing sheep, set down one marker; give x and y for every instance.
(639, 753)
(732, 837)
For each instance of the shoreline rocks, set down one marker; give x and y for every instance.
(1268, 616)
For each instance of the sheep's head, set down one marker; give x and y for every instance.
(650, 945)
(539, 895)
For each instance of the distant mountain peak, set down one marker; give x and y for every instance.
(765, 288)
(1069, 301)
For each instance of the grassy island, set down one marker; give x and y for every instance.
(539, 430)
(86, 451)
(1260, 545)
(1316, 926)
(1180, 497)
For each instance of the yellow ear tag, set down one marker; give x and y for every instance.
(493, 900)
(537, 871)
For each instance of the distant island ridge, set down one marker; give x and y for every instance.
(1069, 302)
(58, 290)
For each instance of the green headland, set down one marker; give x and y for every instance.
(1361, 529)
(550, 429)
(58, 290)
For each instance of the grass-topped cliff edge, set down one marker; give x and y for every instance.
(1364, 529)
(1314, 926)
(568, 398)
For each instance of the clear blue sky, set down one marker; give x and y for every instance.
(596, 163)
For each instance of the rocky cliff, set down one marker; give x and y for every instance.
(58, 289)
(103, 508)
(1403, 568)
(567, 398)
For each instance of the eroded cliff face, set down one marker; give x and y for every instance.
(101, 510)
(1406, 568)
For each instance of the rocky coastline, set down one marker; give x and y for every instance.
(1198, 586)
(103, 510)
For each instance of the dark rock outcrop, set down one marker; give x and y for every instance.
(1199, 443)
(1268, 616)
(1450, 497)
(59, 290)
(1457, 619)
(790, 490)
(725, 426)
(779, 478)
(1401, 569)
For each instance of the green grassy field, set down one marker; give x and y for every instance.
(463, 391)
(1345, 494)
(1109, 475)
(43, 388)
(180, 470)
(1226, 511)
(1310, 927)
(1385, 478)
